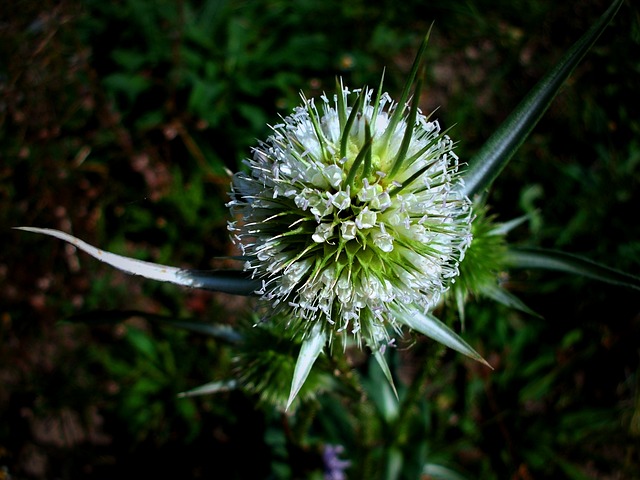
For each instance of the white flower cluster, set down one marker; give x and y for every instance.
(347, 217)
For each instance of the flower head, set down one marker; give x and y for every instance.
(351, 216)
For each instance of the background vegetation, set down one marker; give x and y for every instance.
(119, 122)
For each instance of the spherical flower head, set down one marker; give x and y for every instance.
(350, 215)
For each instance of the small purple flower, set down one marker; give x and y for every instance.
(333, 466)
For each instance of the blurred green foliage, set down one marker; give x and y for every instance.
(119, 121)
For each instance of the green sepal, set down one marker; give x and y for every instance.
(309, 351)
(430, 326)
(486, 165)
(568, 263)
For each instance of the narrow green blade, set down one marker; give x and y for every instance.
(231, 281)
(430, 326)
(506, 227)
(209, 388)
(379, 356)
(309, 352)
(99, 317)
(223, 332)
(494, 155)
(381, 392)
(507, 299)
(569, 263)
(440, 472)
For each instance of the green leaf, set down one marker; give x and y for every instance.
(440, 472)
(507, 299)
(379, 356)
(430, 326)
(460, 295)
(309, 352)
(506, 227)
(394, 464)
(494, 155)
(379, 389)
(230, 281)
(568, 263)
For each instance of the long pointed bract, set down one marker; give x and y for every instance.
(568, 263)
(379, 356)
(494, 155)
(309, 352)
(430, 326)
(233, 282)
